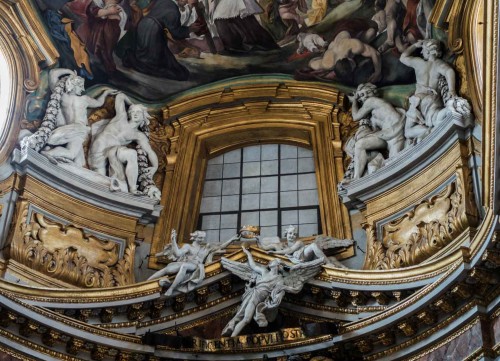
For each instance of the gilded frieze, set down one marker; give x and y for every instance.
(68, 253)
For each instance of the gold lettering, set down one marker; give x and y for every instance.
(248, 341)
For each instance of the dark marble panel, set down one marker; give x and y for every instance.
(458, 348)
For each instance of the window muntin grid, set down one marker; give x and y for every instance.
(272, 185)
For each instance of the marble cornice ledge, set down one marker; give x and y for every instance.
(82, 186)
(410, 162)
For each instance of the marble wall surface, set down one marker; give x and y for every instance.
(460, 347)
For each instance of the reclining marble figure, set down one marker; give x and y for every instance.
(298, 251)
(188, 261)
(436, 83)
(386, 129)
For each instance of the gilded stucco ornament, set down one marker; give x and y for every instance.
(84, 261)
(420, 233)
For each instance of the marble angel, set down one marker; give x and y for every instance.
(298, 251)
(265, 288)
(188, 261)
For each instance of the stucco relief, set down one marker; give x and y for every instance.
(69, 253)
(421, 232)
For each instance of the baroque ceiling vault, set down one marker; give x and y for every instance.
(249, 180)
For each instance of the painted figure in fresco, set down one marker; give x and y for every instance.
(287, 10)
(350, 39)
(387, 125)
(107, 24)
(61, 23)
(238, 27)
(401, 24)
(109, 154)
(391, 11)
(188, 12)
(65, 143)
(410, 30)
(265, 288)
(151, 54)
(316, 12)
(428, 71)
(380, 17)
(423, 13)
(200, 37)
(297, 251)
(351, 58)
(188, 261)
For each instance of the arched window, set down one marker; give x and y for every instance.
(222, 130)
(271, 186)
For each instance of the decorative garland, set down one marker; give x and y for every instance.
(37, 140)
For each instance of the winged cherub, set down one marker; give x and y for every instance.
(265, 289)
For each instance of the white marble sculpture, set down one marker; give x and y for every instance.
(297, 251)
(188, 261)
(65, 128)
(435, 84)
(415, 126)
(265, 288)
(384, 129)
(109, 154)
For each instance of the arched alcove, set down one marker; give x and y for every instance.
(209, 131)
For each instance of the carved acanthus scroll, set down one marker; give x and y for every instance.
(69, 254)
(422, 232)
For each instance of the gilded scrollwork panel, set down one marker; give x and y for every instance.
(69, 253)
(425, 229)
